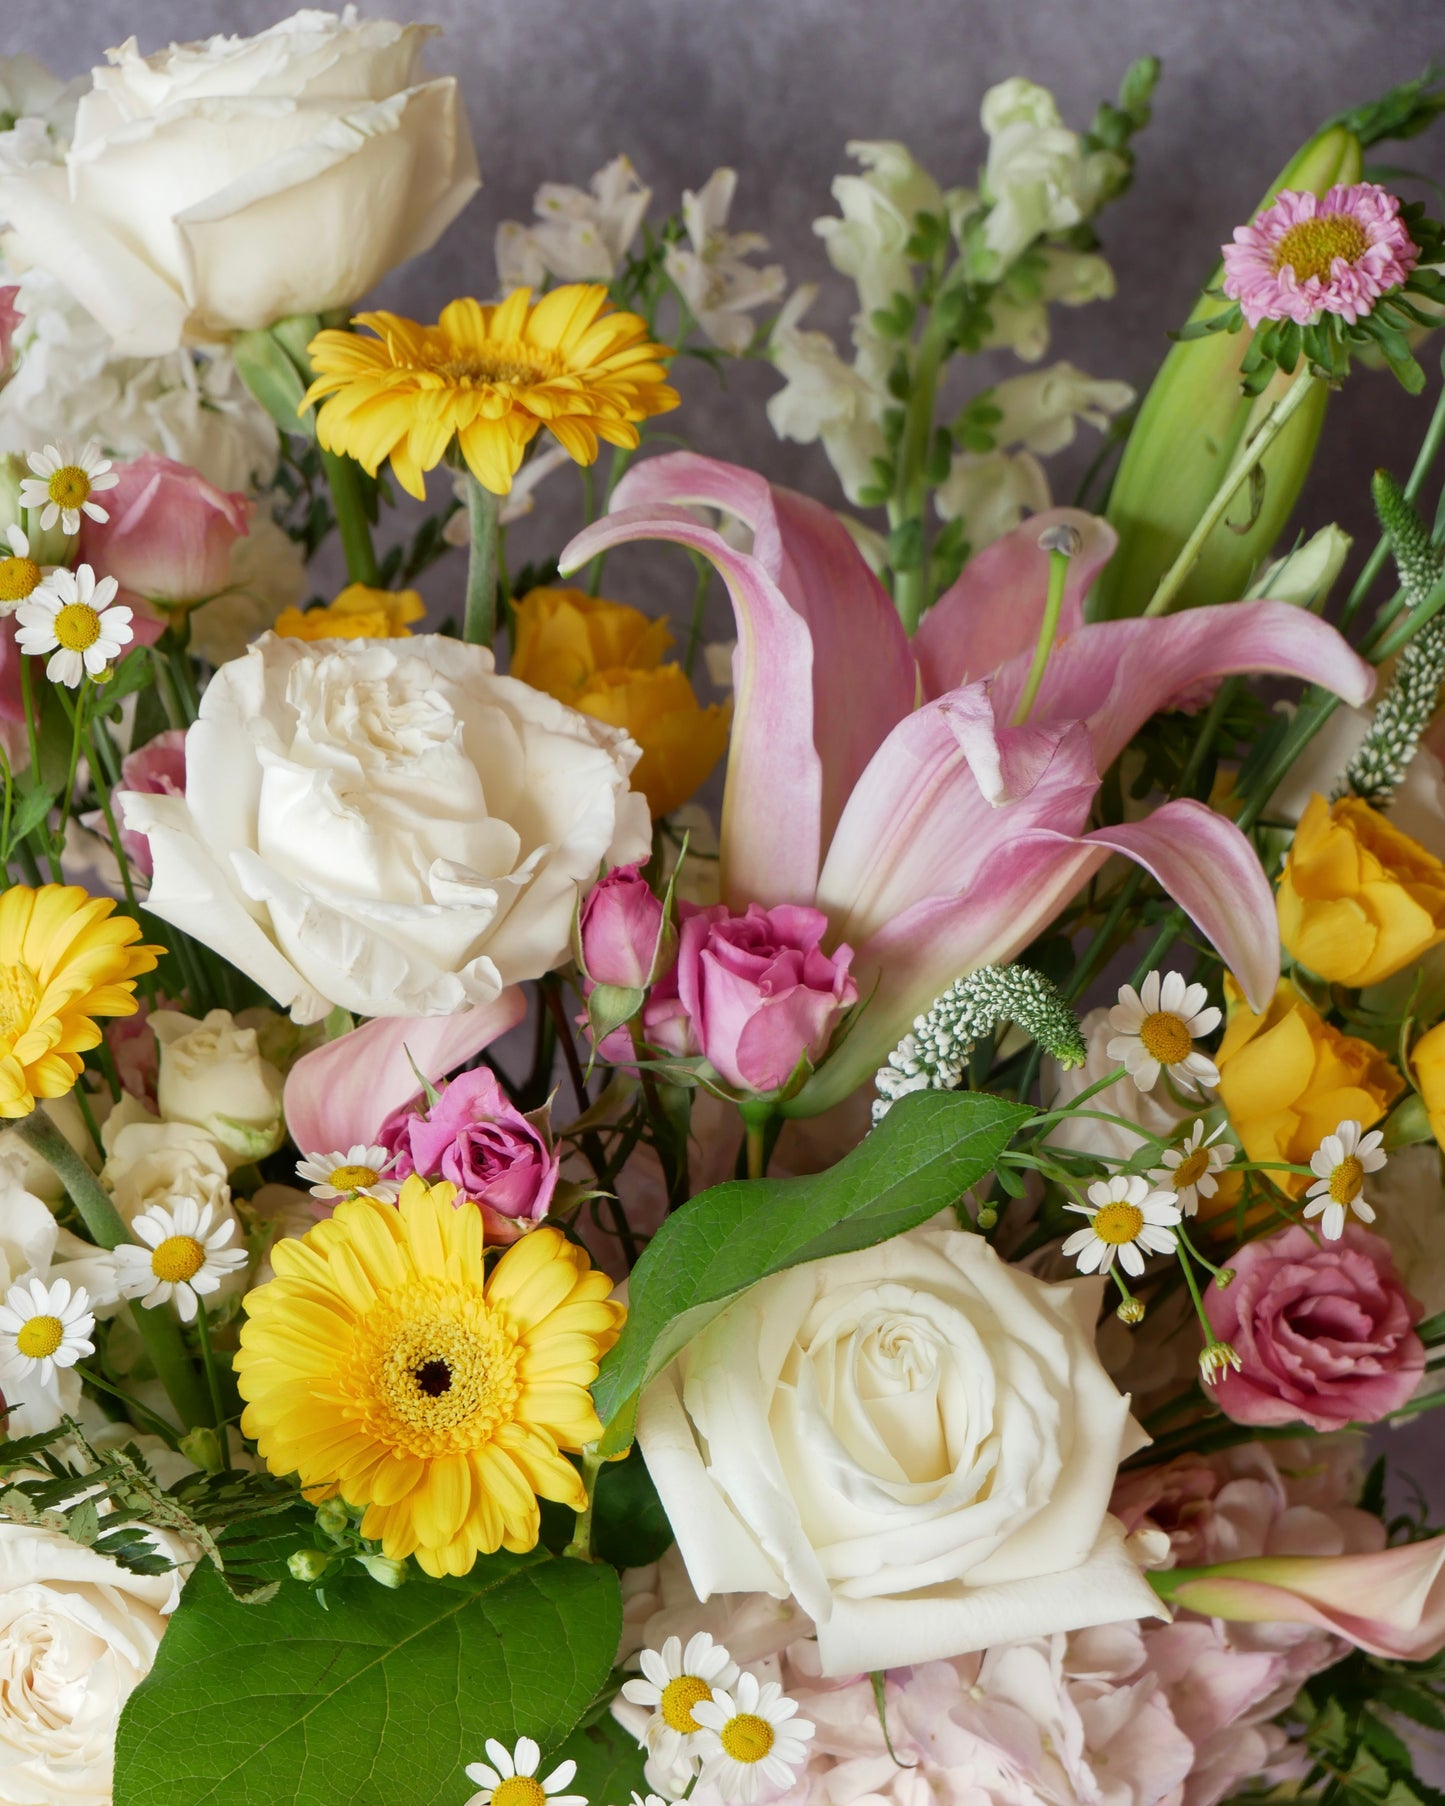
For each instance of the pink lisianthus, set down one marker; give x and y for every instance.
(1309, 254)
(169, 535)
(476, 1137)
(132, 1044)
(10, 318)
(156, 769)
(1325, 1332)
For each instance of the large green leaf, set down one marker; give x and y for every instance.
(924, 1155)
(383, 1697)
(609, 1763)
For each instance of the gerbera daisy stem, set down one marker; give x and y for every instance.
(1254, 449)
(343, 475)
(479, 624)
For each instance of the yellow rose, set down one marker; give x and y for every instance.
(1358, 900)
(1427, 1057)
(358, 613)
(605, 659)
(1288, 1079)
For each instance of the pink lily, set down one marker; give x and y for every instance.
(886, 782)
(342, 1093)
(1391, 1602)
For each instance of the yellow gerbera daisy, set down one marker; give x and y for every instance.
(382, 1364)
(489, 377)
(358, 613)
(64, 959)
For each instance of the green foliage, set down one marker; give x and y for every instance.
(921, 1159)
(1349, 1720)
(629, 1525)
(609, 1762)
(379, 1697)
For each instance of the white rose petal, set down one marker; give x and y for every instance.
(212, 1074)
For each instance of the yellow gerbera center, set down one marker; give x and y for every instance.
(510, 363)
(39, 1337)
(1166, 1037)
(1118, 1223)
(18, 577)
(353, 1178)
(1191, 1169)
(1346, 1181)
(519, 1790)
(19, 995)
(443, 1372)
(747, 1738)
(178, 1258)
(69, 486)
(678, 1699)
(77, 627)
(1311, 247)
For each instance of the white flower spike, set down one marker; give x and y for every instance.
(1156, 1028)
(1340, 1163)
(1125, 1215)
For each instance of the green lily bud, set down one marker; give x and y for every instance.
(1191, 424)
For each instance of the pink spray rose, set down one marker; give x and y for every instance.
(760, 990)
(620, 927)
(156, 769)
(1325, 1332)
(169, 535)
(477, 1138)
(10, 318)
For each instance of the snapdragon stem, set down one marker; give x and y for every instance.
(343, 477)
(910, 587)
(479, 623)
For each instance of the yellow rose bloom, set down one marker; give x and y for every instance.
(1288, 1079)
(605, 659)
(1358, 900)
(1427, 1058)
(358, 613)
(384, 1365)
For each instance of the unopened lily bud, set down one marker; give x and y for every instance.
(384, 1571)
(309, 1565)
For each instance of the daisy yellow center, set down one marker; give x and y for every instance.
(1311, 247)
(442, 1373)
(39, 1337)
(747, 1738)
(19, 998)
(505, 363)
(678, 1699)
(352, 1178)
(1166, 1037)
(1118, 1223)
(1191, 1169)
(77, 627)
(178, 1258)
(1346, 1180)
(519, 1790)
(18, 577)
(69, 486)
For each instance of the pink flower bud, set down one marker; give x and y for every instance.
(156, 769)
(169, 535)
(10, 318)
(621, 926)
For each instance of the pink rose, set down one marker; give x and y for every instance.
(1325, 1333)
(477, 1138)
(759, 989)
(156, 769)
(10, 318)
(170, 532)
(621, 928)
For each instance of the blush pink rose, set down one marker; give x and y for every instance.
(1325, 1332)
(156, 769)
(476, 1137)
(169, 535)
(620, 927)
(10, 318)
(760, 991)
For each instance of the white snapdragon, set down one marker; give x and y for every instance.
(712, 271)
(1039, 178)
(825, 398)
(868, 243)
(579, 234)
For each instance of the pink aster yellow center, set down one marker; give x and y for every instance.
(1311, 247)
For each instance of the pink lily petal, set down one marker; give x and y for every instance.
(343, 1092)
(994, 611)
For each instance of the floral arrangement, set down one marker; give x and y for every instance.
(588, 1216)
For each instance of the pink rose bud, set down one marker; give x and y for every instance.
(170, 532)
(10, 318)
(760, 990)
(1325, 1332)
(621, 929)
(156, 769)
(477, 1138)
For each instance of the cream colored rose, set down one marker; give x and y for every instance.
(149, 1162)
(916, 1441)
(212, 1075)
(77, 1636)
(387, 825)
(221, 185)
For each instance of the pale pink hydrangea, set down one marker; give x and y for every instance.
(1310, 254)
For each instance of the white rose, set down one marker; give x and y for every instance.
(212, 1074)
(387, 825)
(150, 1162)
(916, 1441)
(218, 186)
(77, 1636)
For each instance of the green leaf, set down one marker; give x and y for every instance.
(383, 1697)
(31, 808)
(629, 1526)
(609, 1763)
(924, 1155)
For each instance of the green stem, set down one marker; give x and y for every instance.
(1254, 449)
(479, 625)
(580, 1547)
(622, 456)
(1053, 608)
(343, 475)
(213, 1381)
(140, 1415)
(757, 1117)
(910, 587)
(32, 736)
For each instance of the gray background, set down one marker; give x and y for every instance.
(556, 87)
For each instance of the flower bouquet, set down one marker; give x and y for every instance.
(531, 1271)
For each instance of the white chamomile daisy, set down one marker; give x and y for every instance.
(1157, 1026)
(19, 573)
(356, 1173)
(674, 1680)
(1125, 1214)
(1190, 1170)
(73, 615)
(1341, 1162)
(184, 1254)
(512, 1778)
(43, 1328)
(63, 486)
(750, 1737)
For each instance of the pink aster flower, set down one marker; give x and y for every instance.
(1310, 254)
